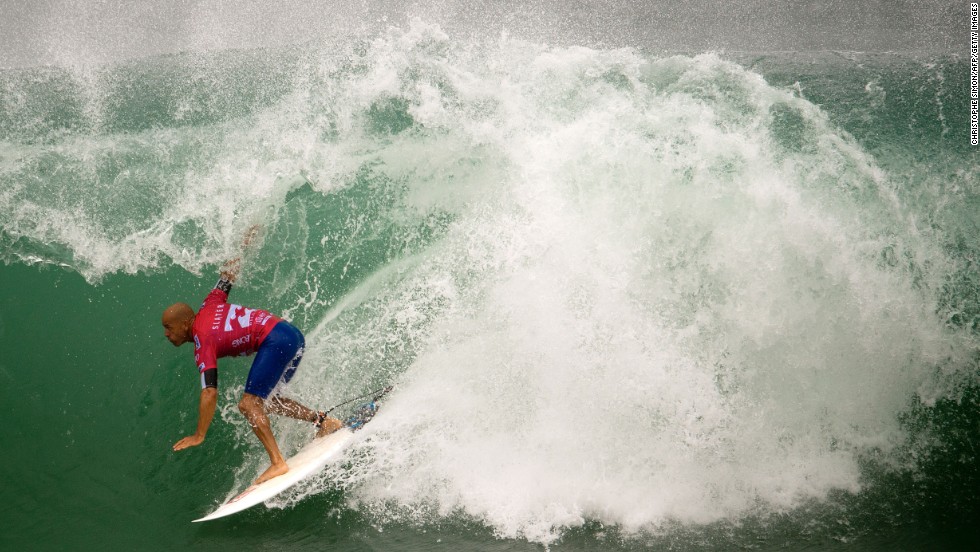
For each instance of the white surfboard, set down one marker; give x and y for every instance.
(308, 461)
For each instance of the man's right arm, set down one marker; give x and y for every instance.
(209, 401)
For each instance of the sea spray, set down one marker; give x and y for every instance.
(665, 308)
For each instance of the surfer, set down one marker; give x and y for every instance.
(220, 329)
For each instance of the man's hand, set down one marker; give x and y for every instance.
(187, 442)
(209, 399)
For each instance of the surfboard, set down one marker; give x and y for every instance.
(308, 461)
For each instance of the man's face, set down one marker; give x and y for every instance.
(175, 332)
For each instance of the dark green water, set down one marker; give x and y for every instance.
(629, 301)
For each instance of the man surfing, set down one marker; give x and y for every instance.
(220, 329)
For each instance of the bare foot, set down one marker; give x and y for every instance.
(274, 470)
(328, 426)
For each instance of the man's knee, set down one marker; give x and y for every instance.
(250, 404)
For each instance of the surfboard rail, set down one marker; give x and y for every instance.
(309, 460)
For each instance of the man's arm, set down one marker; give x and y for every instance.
(230, 269)
(209, 400)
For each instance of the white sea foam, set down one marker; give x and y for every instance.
(661, 311)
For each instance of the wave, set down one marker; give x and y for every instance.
(611, 286)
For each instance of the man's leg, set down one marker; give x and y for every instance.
(253, 409)
(288, 407)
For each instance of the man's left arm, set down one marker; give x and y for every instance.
(229, 272)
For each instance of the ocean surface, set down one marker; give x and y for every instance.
(629, 300)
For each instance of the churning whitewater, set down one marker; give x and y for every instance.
(609, 287)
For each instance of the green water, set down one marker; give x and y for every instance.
(629, 301)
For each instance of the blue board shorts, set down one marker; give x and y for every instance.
(276, 360)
